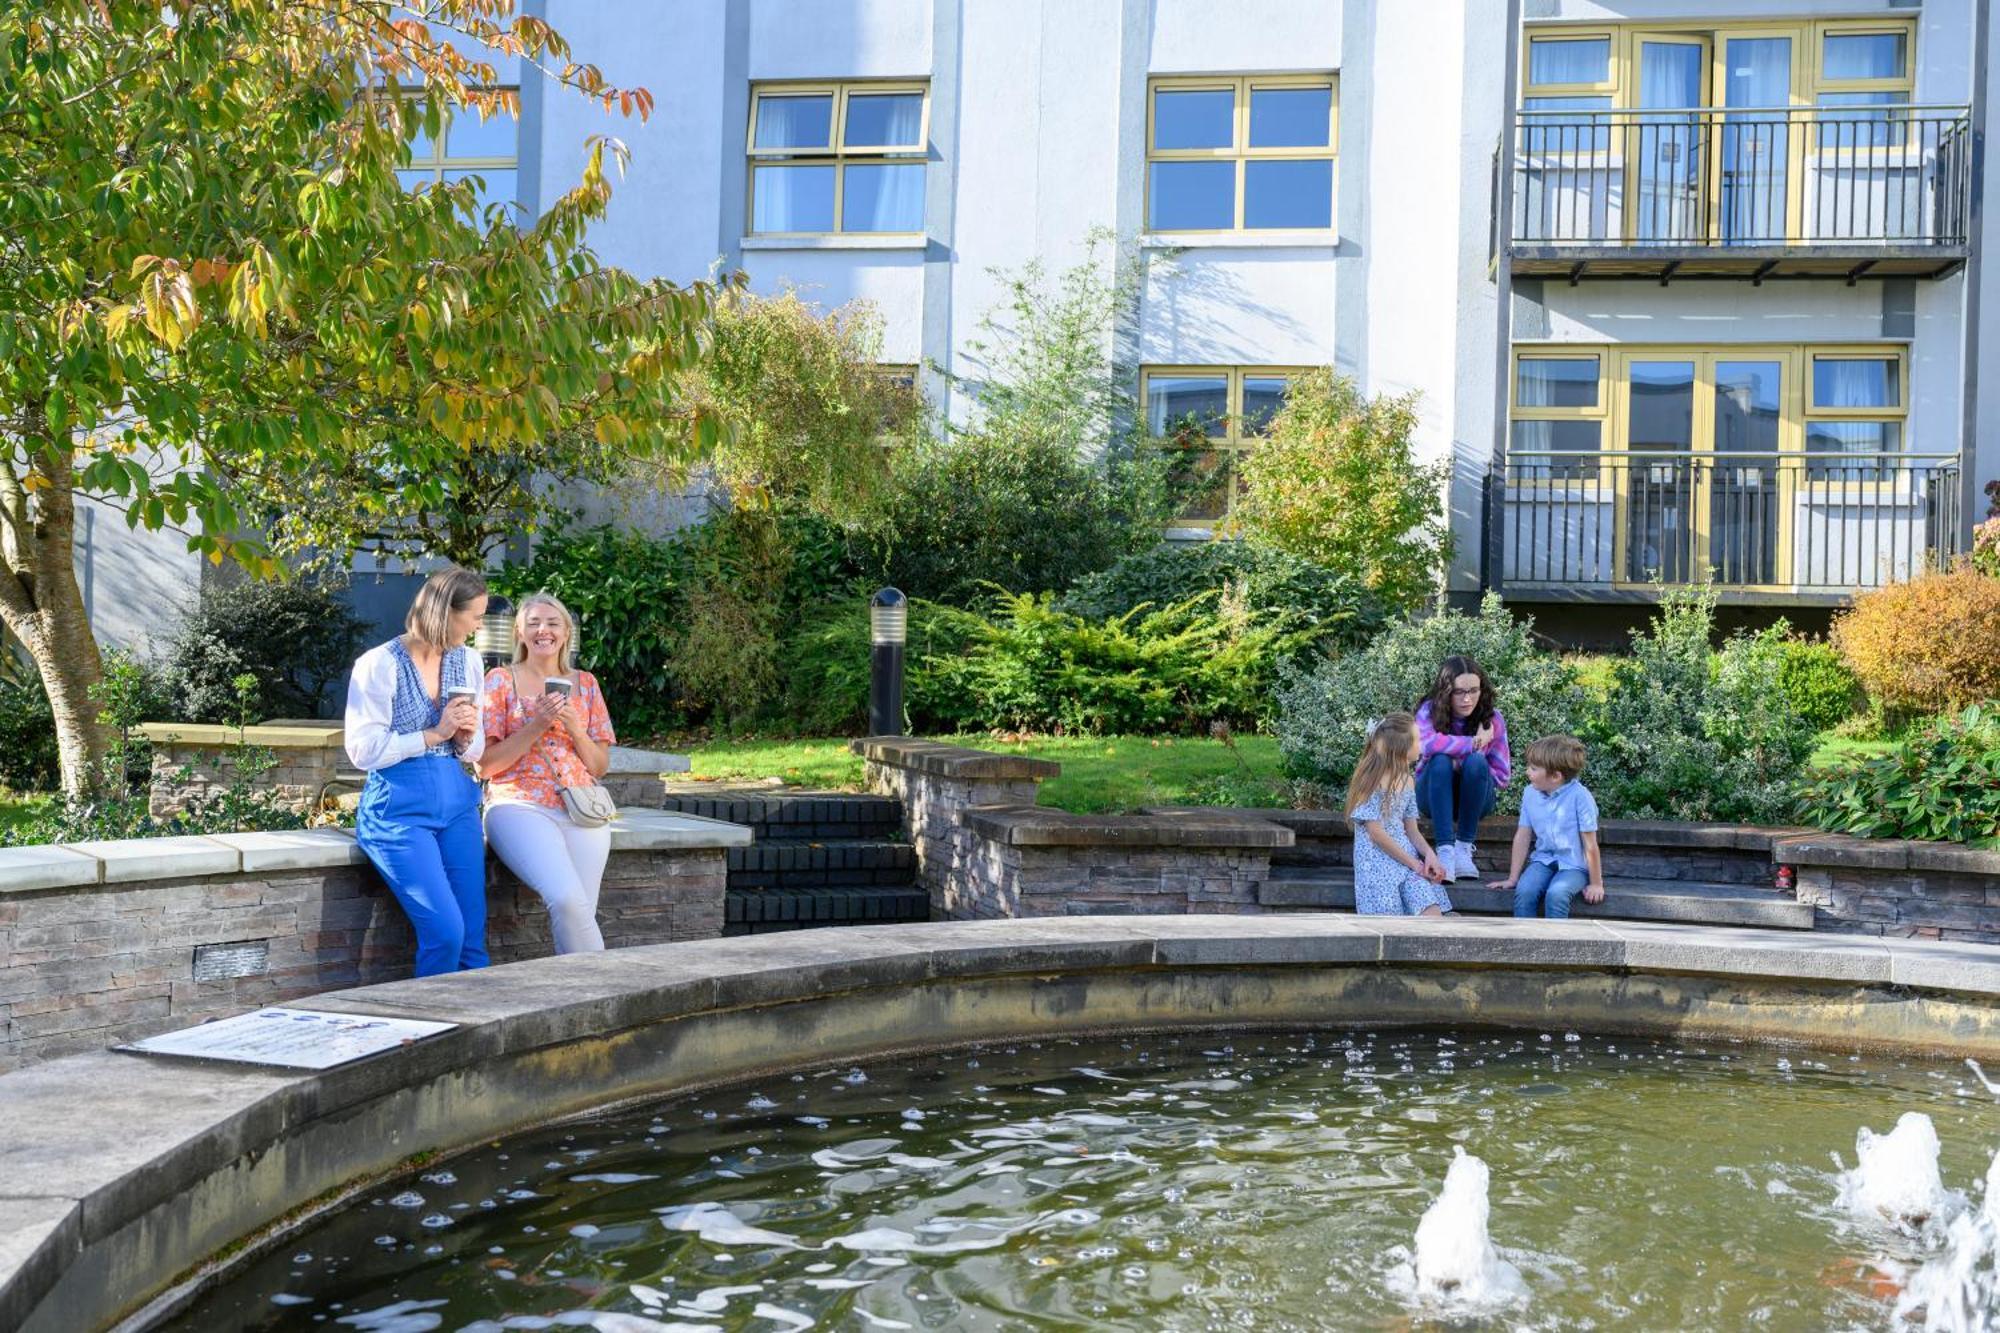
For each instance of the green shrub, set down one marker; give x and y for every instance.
(1023, 513)
(1324, 711)
(827, 663)
(1816, 684)
(1986, 546)
(1328, 603)
(1176, 669)
(298, 640)
(1941, 781)
(28, 758)
(1690, 733)
(1335, 480)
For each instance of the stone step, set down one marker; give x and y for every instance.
(836, 862)
(1319, 888)
(749, 911)
(775, 814)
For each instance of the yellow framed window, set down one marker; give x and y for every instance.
(1562, 403)
(1856, 410)
(489, 149)
(1249, 153)
(1871, 67)
(1569, 71)
(1215, 414)
(829, 158)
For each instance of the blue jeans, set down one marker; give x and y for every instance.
(1544, 890)
(1455, 795)
(419, 824)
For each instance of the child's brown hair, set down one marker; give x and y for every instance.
(1558, 754)
(1385, 761)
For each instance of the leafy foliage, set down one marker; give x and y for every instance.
(1690, 733)
(224, 312)
(1941, 781)
(296, 642)
(1324, 710)
(1986, 547)
(827, 664)
(1046, 482)
(119, 804)
(28, 759)
(1926, 645)
(1336, 481)
(1175, 669)
(1815, 684)
(1329, 603)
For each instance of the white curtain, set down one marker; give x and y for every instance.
(1860, 383)
(795, 122)
(1758, 72)
(792, 199)
(1669, 147)
(884, 198)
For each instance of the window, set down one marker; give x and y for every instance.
(1852, 400)
(901, 380)
(489, 149)
(1241, 154)
(1214, 413)
(1855, 403)
(1863, 67)
(837, 157)
(1600, 69)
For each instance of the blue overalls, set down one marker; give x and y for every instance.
(419, 823)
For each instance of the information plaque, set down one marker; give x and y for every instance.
(290, 1038)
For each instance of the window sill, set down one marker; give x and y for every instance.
(837, 241)
(1324, 237)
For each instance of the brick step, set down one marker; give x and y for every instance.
(1744, 869)
(779, 814)
(746, 911)
(836, 862)
(1320, 888)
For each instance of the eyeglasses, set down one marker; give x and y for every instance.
(1465, 694)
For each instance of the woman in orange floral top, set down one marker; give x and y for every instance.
(539, 741)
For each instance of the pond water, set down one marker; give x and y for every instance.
(1206, 1181)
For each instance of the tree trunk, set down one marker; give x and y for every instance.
(42, 603)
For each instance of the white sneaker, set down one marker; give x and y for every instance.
(1463, 867)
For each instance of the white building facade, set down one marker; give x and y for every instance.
(1690, 289)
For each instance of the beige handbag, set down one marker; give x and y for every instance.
(588, 806)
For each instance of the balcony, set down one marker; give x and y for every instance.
(1770, 528)
(1744, 193)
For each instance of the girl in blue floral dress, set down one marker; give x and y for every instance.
(1395, 871)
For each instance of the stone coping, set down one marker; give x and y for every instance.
(626, 761)
(953, 761)
(120, 1173)
(1039, 826)
(1787, 846)
(135, 860)
(302, 735)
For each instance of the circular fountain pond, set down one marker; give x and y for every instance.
(1238, 1180)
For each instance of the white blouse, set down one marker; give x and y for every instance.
(372, 741)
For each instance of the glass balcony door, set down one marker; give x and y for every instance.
(1657, 528)
(1745, 516)
(1758, 77)
(1669, 140)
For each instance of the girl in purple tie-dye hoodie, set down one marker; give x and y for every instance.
(1466, 760)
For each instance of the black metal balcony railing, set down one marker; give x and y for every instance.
(1840, 179)
(1810, 523)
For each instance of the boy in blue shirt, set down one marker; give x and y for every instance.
(1559, 826)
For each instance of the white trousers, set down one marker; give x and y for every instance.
(559, 861)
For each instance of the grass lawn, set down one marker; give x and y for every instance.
(18, 810)
(1099, 772)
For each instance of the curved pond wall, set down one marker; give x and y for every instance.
(121, 1176)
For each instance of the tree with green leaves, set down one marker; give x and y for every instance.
(214, 290)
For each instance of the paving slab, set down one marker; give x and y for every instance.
(294, 849)
(1764, 954)
(1498, 943)
(638, 829)
(48, 867)
(1943, 965)
(129, 859)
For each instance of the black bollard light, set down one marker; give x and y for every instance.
(888, 626)
(494, 639)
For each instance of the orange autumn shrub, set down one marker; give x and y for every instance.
(1930, 644)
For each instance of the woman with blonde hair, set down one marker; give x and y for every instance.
(547, 729)
(413, 725)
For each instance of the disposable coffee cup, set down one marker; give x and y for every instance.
(461, 692)
(557, 685)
